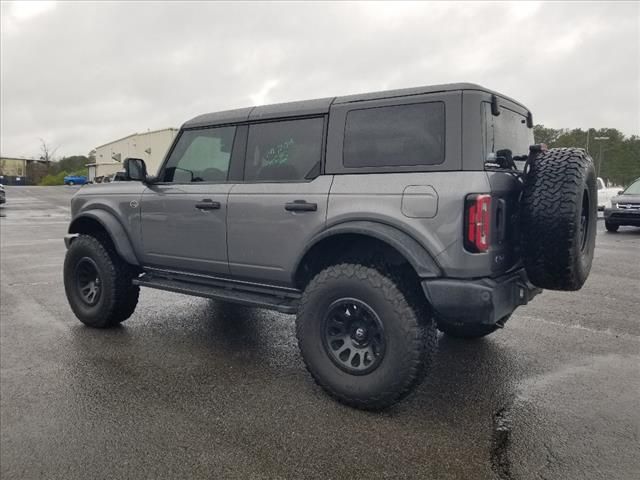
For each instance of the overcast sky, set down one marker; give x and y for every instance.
(83, 74)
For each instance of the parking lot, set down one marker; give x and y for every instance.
(191, 388)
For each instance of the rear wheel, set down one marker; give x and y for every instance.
(98, 283)
(363, 339)
(559, 215)
(611, 227)
(70, 183)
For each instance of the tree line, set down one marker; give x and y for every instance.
(55, 171)
(616, 157)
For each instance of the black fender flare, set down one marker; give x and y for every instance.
(417, 256)
(114, 229)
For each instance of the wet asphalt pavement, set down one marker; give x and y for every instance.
(191, 388)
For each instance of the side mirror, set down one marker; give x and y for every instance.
(135, 169)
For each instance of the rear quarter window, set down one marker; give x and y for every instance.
(392, 136)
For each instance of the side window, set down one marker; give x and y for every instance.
(200, 156)
(284, 151)
(399, 135)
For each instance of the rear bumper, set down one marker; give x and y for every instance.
(483, 301)
(621, 216)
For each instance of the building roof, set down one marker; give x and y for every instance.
(135, 134)
(321, 106)
(93, 164)
(22, 159)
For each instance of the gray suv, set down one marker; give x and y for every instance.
(375, 218)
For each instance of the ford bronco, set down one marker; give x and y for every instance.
(376, 219)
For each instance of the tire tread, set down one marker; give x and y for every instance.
(416, 325)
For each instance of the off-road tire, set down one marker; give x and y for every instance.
(611, 227)
(559, 196)
(409, 331)
(118, 296)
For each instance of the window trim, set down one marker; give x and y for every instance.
(323, 147)
(163, 167)
(382, 167)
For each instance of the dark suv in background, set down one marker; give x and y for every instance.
(625, 208)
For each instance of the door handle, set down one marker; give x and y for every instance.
(207, 204)
(300, 206)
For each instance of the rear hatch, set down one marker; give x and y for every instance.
(506, 140)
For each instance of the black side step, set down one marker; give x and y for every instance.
(235, 295)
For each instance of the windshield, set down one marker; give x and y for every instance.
(633, 189)
(507, 131)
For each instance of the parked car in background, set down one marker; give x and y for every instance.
(75, 180)
(605, 194)
(625, 208)
(3, 194)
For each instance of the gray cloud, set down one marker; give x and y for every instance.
(82, 74)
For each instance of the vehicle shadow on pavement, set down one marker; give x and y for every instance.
(624, 231)
(466, 377)
(237, 371)
(469, 378)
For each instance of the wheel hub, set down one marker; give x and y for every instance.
(88, 281)
(360, 334)
(353, 336)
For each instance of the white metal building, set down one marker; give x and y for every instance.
(150, 146)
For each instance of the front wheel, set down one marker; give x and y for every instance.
(363, 340)
(70, 183)
(98, 283)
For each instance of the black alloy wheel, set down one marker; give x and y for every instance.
(88, 281)
(353, 336)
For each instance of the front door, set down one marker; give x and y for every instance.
(183, 215)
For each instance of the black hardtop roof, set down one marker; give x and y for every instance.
(322, 105)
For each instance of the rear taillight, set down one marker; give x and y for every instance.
(477, 224)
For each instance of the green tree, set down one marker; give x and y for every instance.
(70, 164)
(617, 159)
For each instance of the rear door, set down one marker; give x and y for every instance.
(184, 215)
(281, 202)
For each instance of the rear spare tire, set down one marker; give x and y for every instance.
(558, 218)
